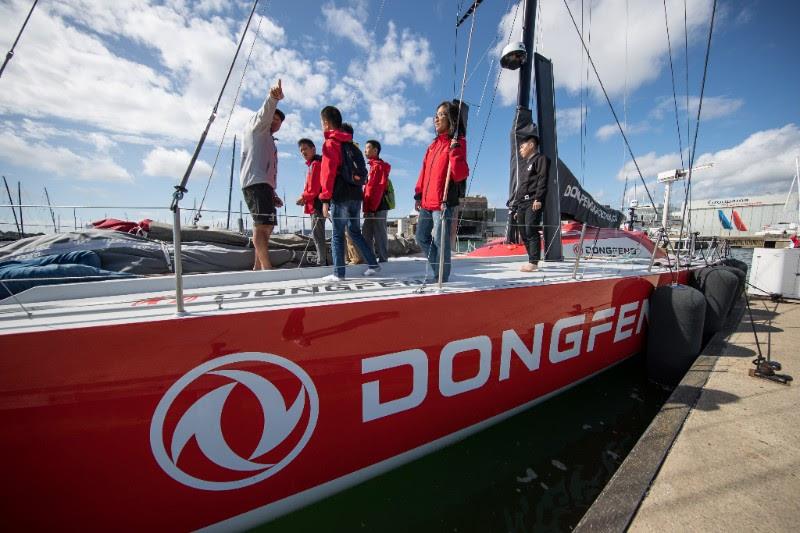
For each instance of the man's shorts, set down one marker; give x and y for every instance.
(260, 199)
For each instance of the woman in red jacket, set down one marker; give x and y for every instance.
(447, 152)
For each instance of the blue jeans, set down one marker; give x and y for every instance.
(347, 214)
(428, 237)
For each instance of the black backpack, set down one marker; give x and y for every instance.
(353, 169)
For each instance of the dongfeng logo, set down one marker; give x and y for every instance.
(243, 430)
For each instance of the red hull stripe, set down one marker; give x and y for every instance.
(245, 416)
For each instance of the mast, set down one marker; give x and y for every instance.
(528, 29)
(230, 184)
(797, 178)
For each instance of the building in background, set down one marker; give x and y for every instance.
(743, 217)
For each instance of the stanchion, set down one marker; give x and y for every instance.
(580, 252)
(176, 240)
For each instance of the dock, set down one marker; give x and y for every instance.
(723, 454)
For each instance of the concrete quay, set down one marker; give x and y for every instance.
(723, 454)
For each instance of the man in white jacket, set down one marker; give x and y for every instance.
(259, 173)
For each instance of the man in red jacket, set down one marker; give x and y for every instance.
(310, 198)
(341, 200)
(375, 206)
(447, 152)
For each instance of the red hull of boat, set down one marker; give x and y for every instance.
(98, 422)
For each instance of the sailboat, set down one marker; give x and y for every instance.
(225, 400)
(785, 229)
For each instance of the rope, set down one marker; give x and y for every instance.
(625, 111)
(198, 214)
(10, 53)
(464, 78)
(693, 152)
(611, 106)
(674, 94)
(180, 189)
(488, 117)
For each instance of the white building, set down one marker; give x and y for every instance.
(752, 213)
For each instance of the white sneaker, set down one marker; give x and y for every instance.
(330, 278)
(370, 271)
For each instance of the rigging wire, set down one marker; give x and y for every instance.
(583, 56)
(611, 106)
(455, 47)
(198, 214)
(585, 96)
(625, 110)
(687, 191)
(471, 178)
(469, 12)
(10, 53)
(180, 189)
(674, 94)
(693, 152)
(466, 64)
(492, 44)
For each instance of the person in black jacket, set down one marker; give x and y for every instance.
(529, 198)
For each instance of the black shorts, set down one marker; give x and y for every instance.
(260, 199)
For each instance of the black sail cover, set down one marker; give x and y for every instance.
(577, 204)
(572, 201)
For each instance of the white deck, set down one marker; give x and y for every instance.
(149, 299)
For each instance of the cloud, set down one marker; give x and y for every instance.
(344, 22)
(35, 153)
(378, 84)
(568, 120)
(108, 75)
(762, 163)
(606, 39)
(608, 131)
(163, 162)
(713, 107)
(90, 77)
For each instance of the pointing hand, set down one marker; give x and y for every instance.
(277, 91)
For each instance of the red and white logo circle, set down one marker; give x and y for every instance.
(234, 421)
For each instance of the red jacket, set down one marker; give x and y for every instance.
(376, 184)
(313, 186)
(331, 159)
(430, 185)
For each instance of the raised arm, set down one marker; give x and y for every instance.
(263, 117)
